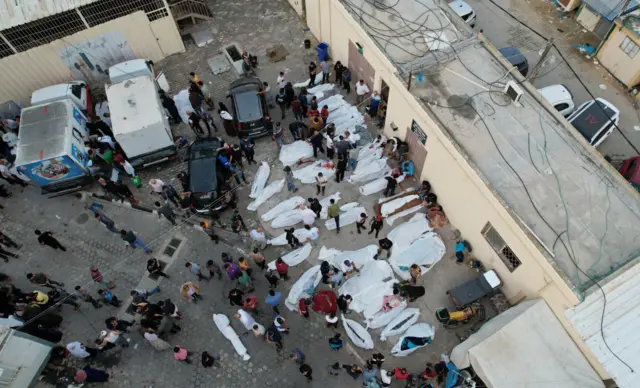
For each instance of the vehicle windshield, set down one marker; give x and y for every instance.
(248, 106)
(592, 119)
(203, 153)
(77, 91)
(467, 16)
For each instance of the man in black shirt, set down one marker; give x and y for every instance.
(154, 268)
(315, 206)
(391, 186)
(312, 74)
(386, 244)
(341, 167)
(46, 238)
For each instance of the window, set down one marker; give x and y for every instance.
(502, 249)
(43, 31)
(629, 47)
(562, 106)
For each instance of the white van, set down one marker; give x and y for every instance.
(465, 11)
(76, 91)
(135, 68)
(595, 120)
(560, 98)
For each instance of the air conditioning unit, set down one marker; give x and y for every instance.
(513, 90)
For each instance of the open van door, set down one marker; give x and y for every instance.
(161, 82)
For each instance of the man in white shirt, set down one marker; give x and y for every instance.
(258, 236)
(156, 186)
(361, 91)
(78, 350)
(311, 233)
(107, 140)
(280, 80)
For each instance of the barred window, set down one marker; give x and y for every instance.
(106, 10)
(5, 50)
(505, 253)
(43, 31)
(629, 47)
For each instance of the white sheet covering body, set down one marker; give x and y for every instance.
(402, 322)
(182, 104)
(283, 207)
(404, 234)
(259, 180)
(290, 154)
(309, 280)
(395, 204)
(359, 258)
(366, 172)
(304, 84)
(301, 234)
(377, 185)
(428, 249)
(406, 212)
(527, 346)
(308, 174)
(267, 192)
(222, 323)
(294, 257)
(419, 330)
(370, 286)
(382, 318)
(287, 219)
(346, 218)
(357, 334)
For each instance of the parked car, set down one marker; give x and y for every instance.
(206, 181)
(560, 98)
(595, 120)
(465, 11)
(516, 58)
(630, 170)
(249, 107)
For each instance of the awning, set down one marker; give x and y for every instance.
(526, 346)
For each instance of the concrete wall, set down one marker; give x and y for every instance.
(129, 37)
(611, 56)
(587, 18)
(298, 5)
(467, 200)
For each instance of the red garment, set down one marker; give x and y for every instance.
(96, 275)
(118, 159)
(324, 113)
(282, 268)
(325, 302)
(313, 112)
(400, 375)
(252, 303)
(296, 106)
(304, 309)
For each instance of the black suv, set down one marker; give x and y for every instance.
(249, 107)
(206, 181)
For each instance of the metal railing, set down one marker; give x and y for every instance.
(188, 8)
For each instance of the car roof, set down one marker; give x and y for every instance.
(555, 93)
(202, 172)
(245, 83)
(513, 55)
(590, 119)
(461, 7)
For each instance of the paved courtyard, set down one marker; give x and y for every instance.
(89, 243)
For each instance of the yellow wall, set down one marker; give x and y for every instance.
(42, 66)
(467, 200)
(611, 56)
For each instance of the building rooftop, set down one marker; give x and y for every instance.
(554, 170)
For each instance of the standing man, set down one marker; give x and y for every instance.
(360, 223)
(376, 224)
(321, 183)
(194, 123)
(296, 108)
(273, 300)
(133, 241)
(326, 70)
(288, 176)
(165, 210)
(280, 100)
(280, 80)
(312, 74)
(170, 106)
(8, 242)
(277, 135)
(248, 145)
(391, 186)
(46, 238)
(334, 212)
(346, 80)
(361, 91)
(341, 167)
(195, 269)
(316, 142)
(342, 146)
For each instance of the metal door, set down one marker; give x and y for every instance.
(417, 151)
(359, 67)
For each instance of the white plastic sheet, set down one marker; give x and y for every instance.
(290, 154)
(268, 192)
(370, 150)
(326, 202)
(404, 234)
(419, 330)
(389, 207)
(295, 257)
(366, 172)
(182, 104)
(377, 185)
(390, 220)
(301, 234)
(347, 206)
(357, 334)
(223, 324)
(426, 250)
(304, 84)
(309, 280)
(360, 257)
(309, 173)
(321, 88)
(287, 219)
(283, 207)
(375, 277)
(382, 318)
(259, 180)
(399, 324)
(346, 218)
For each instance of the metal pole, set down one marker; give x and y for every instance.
(540, 63)
(410, 76)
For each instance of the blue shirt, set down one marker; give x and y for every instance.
(107, 296)
(460, 247)
(273, 300)
(337, 277)
(195, 268)
(366, 375)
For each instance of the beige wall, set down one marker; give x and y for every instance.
(43, 66)
(467, 200)
(587, 18)
(611, 56)
(298, 6)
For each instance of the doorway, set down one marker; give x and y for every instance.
(416, 140)
(359, 67)
(384, 91)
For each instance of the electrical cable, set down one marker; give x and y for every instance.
(568, 250)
